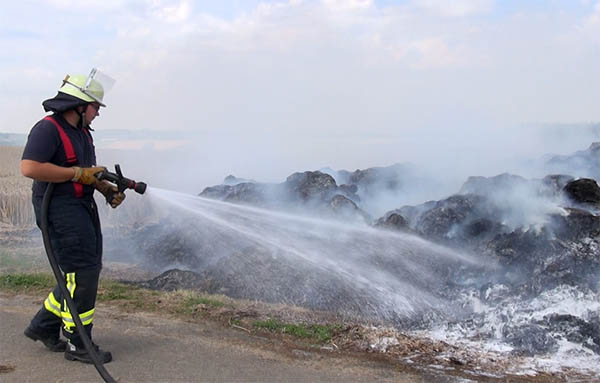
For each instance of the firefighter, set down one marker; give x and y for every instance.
(60, 149)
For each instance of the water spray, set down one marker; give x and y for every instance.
(351, 268)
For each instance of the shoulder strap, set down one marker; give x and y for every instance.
(69, 151)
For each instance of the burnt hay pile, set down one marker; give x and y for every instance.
(543, 234)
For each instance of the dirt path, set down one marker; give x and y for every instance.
(150, 348)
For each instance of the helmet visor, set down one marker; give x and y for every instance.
(97, 85)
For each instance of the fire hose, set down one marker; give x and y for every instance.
(122, 184)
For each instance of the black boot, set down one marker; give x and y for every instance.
(52, 342)
(81, 354)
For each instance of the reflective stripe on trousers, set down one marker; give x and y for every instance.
(86, 317)
(52, 305)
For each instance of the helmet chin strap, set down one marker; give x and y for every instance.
(81, 122)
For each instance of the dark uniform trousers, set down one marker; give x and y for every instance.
(76, 238)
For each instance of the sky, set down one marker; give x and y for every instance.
(262, 89)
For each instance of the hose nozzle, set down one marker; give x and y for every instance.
(121, 182)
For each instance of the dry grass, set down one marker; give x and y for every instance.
(15, 190)
(10, 161)
(6, 368)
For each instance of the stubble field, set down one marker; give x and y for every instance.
(15, 190)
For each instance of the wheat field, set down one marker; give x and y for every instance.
(15, 190)
(15, 197)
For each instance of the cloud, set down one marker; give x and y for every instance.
(434, 52)
(88, 6)
(591, 23)
(348, 4)
(174, 13)
(456, 8)
(285, 86)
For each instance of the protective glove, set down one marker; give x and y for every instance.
(87, 176)
(113, 197)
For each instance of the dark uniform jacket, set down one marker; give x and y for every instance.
(44, 145)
